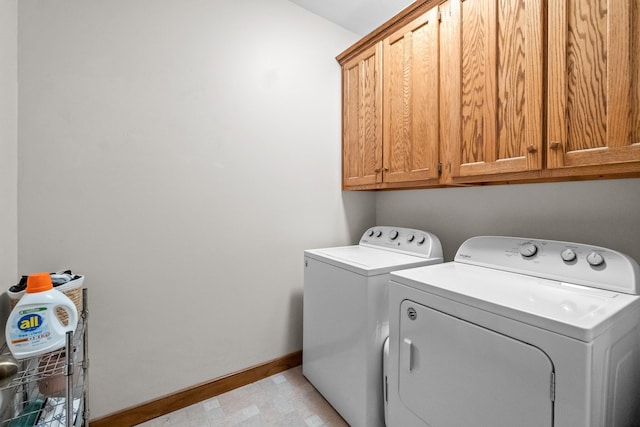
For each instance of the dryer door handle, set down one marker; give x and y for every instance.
(408, 351)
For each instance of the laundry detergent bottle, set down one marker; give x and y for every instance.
(33, 327)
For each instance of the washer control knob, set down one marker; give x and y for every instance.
(595, 259)
(421, 240)
(378, 233)
(568, 255)
(528, 250)
(411, 238)
(393, 235)
(370, 233)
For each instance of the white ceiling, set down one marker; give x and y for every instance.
(359, 16)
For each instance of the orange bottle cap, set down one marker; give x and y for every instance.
(39, 282)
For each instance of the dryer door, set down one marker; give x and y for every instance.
(455, 373)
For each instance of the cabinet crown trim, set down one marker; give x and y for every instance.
(401, 18)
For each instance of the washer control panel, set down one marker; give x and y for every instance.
(573, 263)
(407, 240)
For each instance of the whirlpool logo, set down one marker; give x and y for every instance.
(29, 322)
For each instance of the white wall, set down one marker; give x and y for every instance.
(8, 145)
(181, 154)
(603, 213)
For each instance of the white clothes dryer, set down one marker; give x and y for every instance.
(515, 332)
(346, 316)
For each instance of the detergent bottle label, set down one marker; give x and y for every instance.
(30, 328)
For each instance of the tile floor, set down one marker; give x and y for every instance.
(286, 399)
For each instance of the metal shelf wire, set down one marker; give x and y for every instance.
(49, 386)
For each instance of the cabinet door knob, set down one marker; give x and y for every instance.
(377, 170)
(386, 169)
(554, 145)
(532, 148)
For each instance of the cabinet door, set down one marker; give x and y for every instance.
(495, 120)
(362, 119)
(411, 126)
(594, 83)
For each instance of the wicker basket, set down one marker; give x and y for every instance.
(51, 368)
(72, 289)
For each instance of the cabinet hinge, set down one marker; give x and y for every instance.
(439, 168)
(553, 386)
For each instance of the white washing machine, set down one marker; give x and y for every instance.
(346, 316)
(515, 332)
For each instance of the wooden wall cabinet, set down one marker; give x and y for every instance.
(593, 87)
(411, 129)
(390, 99)
(362, 118)
(459, 92)
(493, 74)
